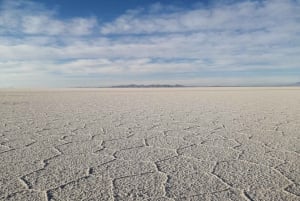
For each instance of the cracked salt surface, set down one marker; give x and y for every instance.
(150, 144)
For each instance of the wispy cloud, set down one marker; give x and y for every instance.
(151, 43)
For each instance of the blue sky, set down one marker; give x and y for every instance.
(54, 43)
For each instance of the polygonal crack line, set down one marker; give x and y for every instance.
(181, 156)
(146, 142)
(247, 196)
(62, 138)
(44, 129)
(291, 181)
(202, 142)
(212, 146)
(31, 143)
(239, 152)
(117, 151)
(113, 180)
(111, 193)
(285, 190)
(102, 144)
(276, 158)
(133, 175)
(76, 129)
(165, 159)
(114, 139)
(48, 191)
(130, 136)
(213, 173)
(25, 183)
(145, 161)
(98, 150)
(103, 130)
(44, 163)
(242, 132)
(89, 173)
(7, 151)
(57, 150)
(219, 128)
(167, 179)
(173, 150)
(191, 127)
(239, 143)
(209, 193)
(90, 170)
(102, 147)
(274, 169)
(92, 137)
(176, 137)
(153, 126)
(251, 162)
(110, 140)
(236, 141)
(27, 190)
(185, 138)
(48, 195)
(182, 148)
(221, 136)
(284, 162)
(288, 151)
(140, 146)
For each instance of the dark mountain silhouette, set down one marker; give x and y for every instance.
(297, 84)
(148, 86)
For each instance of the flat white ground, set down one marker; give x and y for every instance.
(150, 144)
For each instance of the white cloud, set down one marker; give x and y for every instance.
(25, 17)
(243, 16)
(161, 40)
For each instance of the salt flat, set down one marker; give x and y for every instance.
(150, 144)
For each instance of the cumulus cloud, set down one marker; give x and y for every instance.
(150, 43)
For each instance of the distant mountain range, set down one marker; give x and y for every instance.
(297, 84)
(148, 86)
(178, 85)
